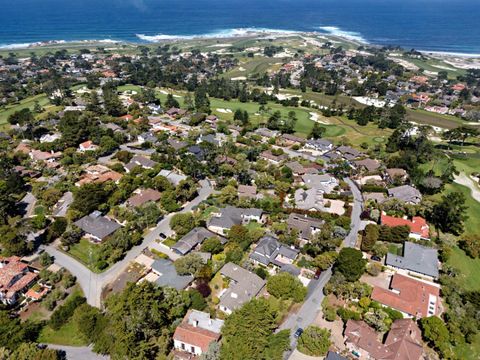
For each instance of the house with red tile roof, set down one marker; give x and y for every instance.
(195, 333)
(403, 342)
(419, 228)
(458, 87)
(412, 297)
(15, 278)
(87, 146)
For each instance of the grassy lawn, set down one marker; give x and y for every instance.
(87, 253)
(249, 67)
(469, 351)
(169, 242)
(5, 112)
(395, 249)
(67, 335)
(468, 267)
(473, 222)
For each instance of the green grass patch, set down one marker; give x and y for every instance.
(472, 224)
(68, 335)
(169, 242)
(468, 268)
(469, 351)
(395, 249)
(29, 103)
(87, 253)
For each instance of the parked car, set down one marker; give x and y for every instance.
(317, 274)
(376, 258)
(298, 333)
(163, 236)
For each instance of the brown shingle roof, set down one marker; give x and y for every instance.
(143, 197)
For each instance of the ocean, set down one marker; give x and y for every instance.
(433, 25)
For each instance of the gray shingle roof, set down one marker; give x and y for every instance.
(61, 207)
(406, 193)
(191, 240)
(97, 225)
(231, 215)
(243, 287)
(416, 258)
(168, 275)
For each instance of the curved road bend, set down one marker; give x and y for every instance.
(92, 284)
(311, 307)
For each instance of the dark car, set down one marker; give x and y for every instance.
(163, 236)
(376, 258)
(317, 274)
(298, 332)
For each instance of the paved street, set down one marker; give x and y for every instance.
(92, 284)
(352, 236)
(78, 353)
(311, 307)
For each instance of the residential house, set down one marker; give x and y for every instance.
(348, 153)
(406, 193)
(269, 251)
(324, 182)
(87, 146)
(296, 167)
(393, 175)
(45, 156)
(417, 259)
(310, 199)
(143, 196)
(274, 159)
(61, 207)
(320, 146)
(290, 140)
(222, 221)
(173, 177)
(419, 228)
(98, 174)
(197, 151)
(147, 137)
(163, 273)
(15, 278)
(243, 287)
(367, 165)
(195, 237)
(28, 204)
(142, 161)
(176, 144)
(412, 297)
(96, 226)
(49, 138)
(247, 192)
(403, 342)
(196, 332)
(305, 225)
(266, 134)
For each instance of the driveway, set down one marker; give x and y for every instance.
(92, 284)
(352, 236)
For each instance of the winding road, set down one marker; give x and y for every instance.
(92, 283)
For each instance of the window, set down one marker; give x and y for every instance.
(183, 346)
(192, 349)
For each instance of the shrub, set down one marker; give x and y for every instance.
(65, 312)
